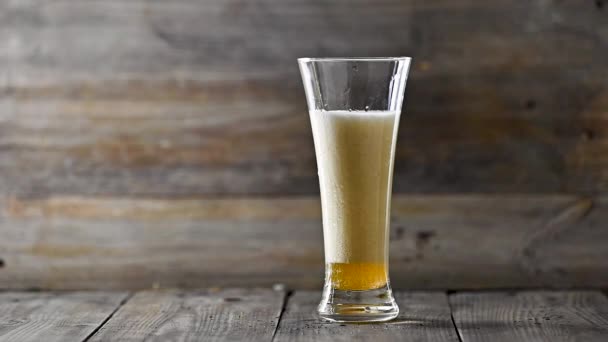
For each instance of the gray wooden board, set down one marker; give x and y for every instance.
(54, 316)
(424, 316)
(188, 97)
(437, 242)
(531, 316)
(120, 121)
(206, 315)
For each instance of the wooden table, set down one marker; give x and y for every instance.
(277, 315)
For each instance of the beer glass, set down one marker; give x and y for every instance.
(354, 106)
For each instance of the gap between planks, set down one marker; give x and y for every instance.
(448, 294)
(288, 294)
(120, 305)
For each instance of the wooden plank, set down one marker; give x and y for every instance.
(531, 316)
(436, 242)
(61, 316)
(425, 316)
(209, 315)
(204, 97)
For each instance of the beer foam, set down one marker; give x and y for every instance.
(355, 152)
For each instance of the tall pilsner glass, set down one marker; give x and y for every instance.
(354, 106)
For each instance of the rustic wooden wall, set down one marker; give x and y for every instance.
(167, 143)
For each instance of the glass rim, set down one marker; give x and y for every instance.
(353, 59)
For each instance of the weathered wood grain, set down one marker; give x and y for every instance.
(181, 98)
(117, 117)
(436, 242)
(531, 316)
(424, 316)
(208, 315)
(54, 316)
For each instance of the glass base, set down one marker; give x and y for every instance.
(377, 305)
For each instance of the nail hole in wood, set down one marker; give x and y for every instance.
(2, 264)
(232, 299)
(399, 231)
(588, 135)
(425, 236)
(599, 4)
(530, 104)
